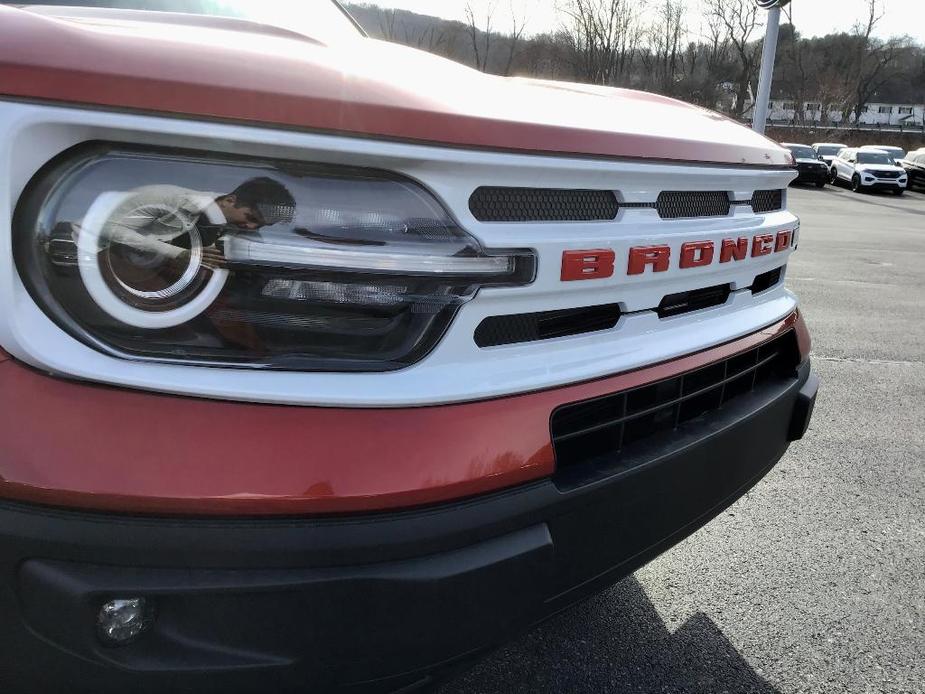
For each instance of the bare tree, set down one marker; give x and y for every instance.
(717, 42)
(613, 42)
(792, 65)
(814, 70)
(547, 56)
(875, 60)
(665, 55)
(480, 37)
(739, 19)
(713, 52)
(518, 25)
(433, 38)
(387, 21)
(604, 36)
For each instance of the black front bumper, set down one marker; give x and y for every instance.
(373, 603)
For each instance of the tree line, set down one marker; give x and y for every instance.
(711, 59)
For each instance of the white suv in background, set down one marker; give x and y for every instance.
(869, 169)
(828, 150)
(896, 152)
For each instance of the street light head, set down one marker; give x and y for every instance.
(769, 4)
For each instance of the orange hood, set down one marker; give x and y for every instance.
(205, 67)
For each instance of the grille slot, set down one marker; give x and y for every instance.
(685, 302)
(693, 204)
(603, 431)
(766, 280)
(767, 200)
(545, 325)
(489, 204)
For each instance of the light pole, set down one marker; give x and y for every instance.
(760, 114)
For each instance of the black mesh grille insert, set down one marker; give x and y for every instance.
(680, 204)
(685, 302)
(767, 200)
(530, 327)
(495, 204)
(603, 431)
(542, 205)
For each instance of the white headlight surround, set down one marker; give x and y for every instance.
(374, 230)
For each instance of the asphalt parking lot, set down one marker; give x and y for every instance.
(814, 581)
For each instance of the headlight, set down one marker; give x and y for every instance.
(200, 258)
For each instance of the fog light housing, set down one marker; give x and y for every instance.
(123, 620)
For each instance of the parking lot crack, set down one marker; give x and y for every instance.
(861, 360)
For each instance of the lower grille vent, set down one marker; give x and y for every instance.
(685, 302)
(604, 430)
(530, 327)
(766, 280)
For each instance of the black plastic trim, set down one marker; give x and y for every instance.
(545, 325)
(767, 280)
(693, 300)
(622, 426)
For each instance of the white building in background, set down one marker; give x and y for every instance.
(894, 115)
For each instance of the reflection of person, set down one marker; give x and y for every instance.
(256, 203)
(158, 218)
(151, 257)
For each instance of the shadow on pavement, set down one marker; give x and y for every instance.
(616, 642)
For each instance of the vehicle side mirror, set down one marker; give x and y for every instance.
(820, 157)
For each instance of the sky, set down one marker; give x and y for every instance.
(812, 17)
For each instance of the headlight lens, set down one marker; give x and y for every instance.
(198, 258)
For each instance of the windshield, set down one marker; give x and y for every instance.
(895, 152)
(321, 19)
(802, 151)
(874, 158)
(829, 149)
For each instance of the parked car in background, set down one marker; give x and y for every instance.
(828, 151)
(869, 169)
(896, 152)
(914, 166)
(810, 166)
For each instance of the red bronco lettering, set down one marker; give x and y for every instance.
(599, 264)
